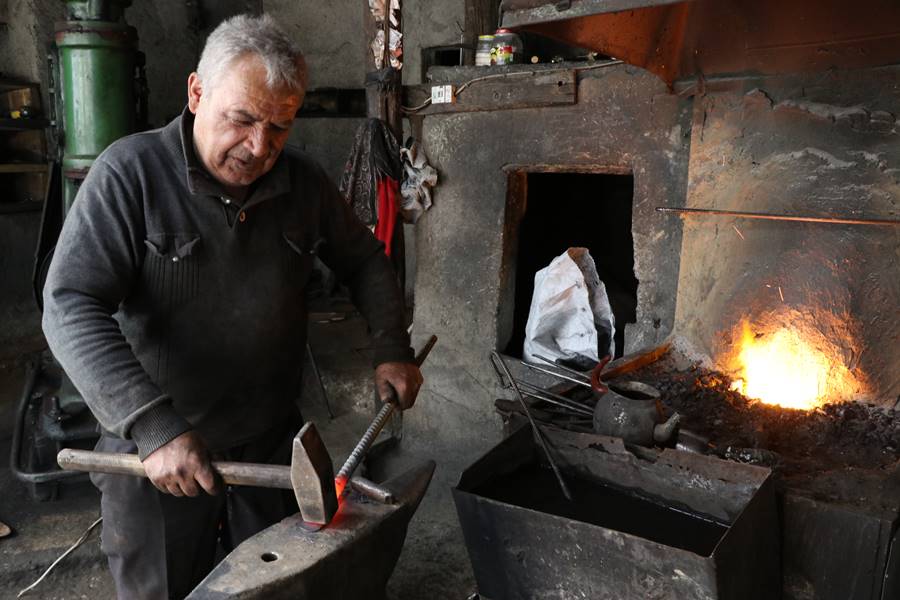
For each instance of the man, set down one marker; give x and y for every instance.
(175, 302)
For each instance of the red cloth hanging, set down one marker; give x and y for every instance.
(388, 191)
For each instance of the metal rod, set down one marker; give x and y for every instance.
(372, 490)
(557, 399)
(566, 407)
(564, 368)
(542, 394)
(555, 374)
(771, 217)
(365, 442)
(378, 424)
(495, 356)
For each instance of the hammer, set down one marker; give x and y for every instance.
(310, 475)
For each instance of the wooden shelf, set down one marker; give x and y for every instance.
(24, 171)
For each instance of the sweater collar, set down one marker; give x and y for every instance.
(179, 136)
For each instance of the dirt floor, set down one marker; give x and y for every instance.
(434, 563)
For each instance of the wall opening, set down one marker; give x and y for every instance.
(563, 210)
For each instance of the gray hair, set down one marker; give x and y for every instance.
(258, 35)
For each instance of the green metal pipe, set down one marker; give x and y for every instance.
(96, 63)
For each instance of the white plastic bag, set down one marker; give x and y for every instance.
(570, 316)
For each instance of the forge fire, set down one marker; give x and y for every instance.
(791, 366)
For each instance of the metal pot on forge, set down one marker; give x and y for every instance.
(631, 410)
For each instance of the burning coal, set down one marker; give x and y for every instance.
(791, 363)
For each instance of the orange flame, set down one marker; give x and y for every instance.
(792, 369)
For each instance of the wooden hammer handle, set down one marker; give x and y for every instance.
(232, 473)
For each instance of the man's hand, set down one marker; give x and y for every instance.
(404, 378)
(181, 467)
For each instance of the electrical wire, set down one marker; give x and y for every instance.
(462, 88)
(78, 542)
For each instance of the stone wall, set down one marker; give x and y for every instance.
(817, 145)
(428, 23)
(26, 39)
(625, 120)
(331, 36)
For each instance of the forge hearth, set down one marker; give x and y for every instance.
(834, 470)
(666, 525)
(836, 473)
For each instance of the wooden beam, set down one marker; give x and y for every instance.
(501, 92)
(481, 18)
(384, 101)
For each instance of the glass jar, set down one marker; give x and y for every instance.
(483, 51)
(508, 47)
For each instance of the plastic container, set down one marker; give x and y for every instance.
(508, 47)
(483, 51)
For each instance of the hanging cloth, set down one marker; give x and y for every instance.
(388, 191)
(375, 156)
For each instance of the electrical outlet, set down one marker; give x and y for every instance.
(442, 94)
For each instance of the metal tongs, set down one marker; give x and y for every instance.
(566, 373)
(499, 366)
(537, 392)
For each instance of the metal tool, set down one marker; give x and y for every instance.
(775, 217)
(498, 362)
(539, 393)
(310, 474)
(381, 419)
(555, 399)
(565, 369)
(578, 380)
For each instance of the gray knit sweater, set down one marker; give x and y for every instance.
(173, 307)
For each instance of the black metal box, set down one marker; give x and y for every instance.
(518, 552)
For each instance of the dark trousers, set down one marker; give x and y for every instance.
(159, 546)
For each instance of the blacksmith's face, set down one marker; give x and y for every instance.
(240, 124)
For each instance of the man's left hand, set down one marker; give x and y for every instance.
(403, 378)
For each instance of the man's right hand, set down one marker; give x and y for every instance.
(181, 467)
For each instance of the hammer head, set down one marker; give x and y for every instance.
(312, 477)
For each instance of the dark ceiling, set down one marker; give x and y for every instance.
(677, 40)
